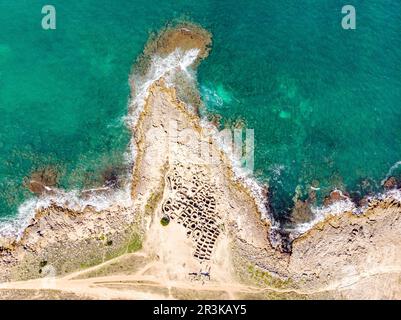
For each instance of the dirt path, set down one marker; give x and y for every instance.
(117, 286)
(147, 285)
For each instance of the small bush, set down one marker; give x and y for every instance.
(43, 263)
(165, 221)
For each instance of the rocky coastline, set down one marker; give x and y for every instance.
(343, 255)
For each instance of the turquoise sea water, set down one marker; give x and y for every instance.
(325, 103)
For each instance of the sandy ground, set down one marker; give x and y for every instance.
(168, 261)
(161, 270)
(156, 280)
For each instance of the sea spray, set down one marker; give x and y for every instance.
(160, 67)
(167, 68)
(322, 213)
(241, 174)
(98, 200)
(339, 207)
(390, 172)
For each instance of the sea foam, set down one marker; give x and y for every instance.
(339, 207)
(166, 68)
(75, 200)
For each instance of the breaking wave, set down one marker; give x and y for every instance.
(104, 198)
(166, 67)
(98, 199)
(340, 207)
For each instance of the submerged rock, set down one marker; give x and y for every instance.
(36, 187)
(335, 196)
(110, 177)
(301, 213)
(390, 183)
(42, 180)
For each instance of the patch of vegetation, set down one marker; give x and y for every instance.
(153, 200)
(165, 221)
(265, 278)
(91, 262)
(105, 240)
(135, 243)
(43, 263)
(113, 249)
(115, 253)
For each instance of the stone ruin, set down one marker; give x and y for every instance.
(191, 202)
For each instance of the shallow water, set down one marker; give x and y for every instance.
(324, 102)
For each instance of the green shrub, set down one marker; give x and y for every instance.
(165, 221)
